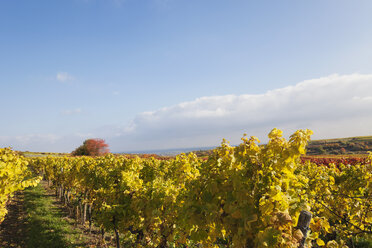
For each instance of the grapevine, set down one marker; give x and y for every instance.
(14, 176)
(248, 195)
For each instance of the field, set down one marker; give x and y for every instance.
(243, 196)
(42, 154)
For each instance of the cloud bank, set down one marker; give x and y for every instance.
(333, 106)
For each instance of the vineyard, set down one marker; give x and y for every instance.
(14, 176)
(328, 160)
(240, 196)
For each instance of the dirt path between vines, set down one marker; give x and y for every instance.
(12, 229)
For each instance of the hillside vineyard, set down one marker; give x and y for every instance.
(243, 196)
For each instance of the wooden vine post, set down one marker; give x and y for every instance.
(303, 224)
(116, 232)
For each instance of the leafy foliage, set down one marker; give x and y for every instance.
(327, 161)
(14, 176)
(91, 147)
(244, 196)
(341, 197)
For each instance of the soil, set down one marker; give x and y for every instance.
(12, 229)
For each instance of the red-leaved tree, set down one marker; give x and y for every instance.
(92, 147)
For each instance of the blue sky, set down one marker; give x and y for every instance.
(76, 69)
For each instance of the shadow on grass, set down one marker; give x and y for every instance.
(45, 225)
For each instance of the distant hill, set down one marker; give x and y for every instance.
(340, 146)
(352, 145)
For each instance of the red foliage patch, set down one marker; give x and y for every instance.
(334, 160)
(92, 147)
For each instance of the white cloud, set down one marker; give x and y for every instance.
(72, 111)
(64, 77)
(333, 106)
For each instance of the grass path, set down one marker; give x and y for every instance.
(46, 225)
(36, 220)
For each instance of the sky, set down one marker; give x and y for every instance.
(160, 74)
